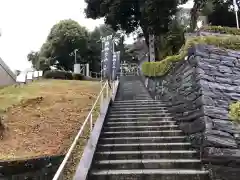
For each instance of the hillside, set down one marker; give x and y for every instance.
(43, 117)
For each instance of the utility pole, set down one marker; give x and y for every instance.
(236, 12)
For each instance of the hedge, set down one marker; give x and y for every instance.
(78, 76)
(221, 30)
(235, 111)
(160, 68)
(56, 74)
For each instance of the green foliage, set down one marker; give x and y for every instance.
(153, 16)
(120, 14)
(234, 112)
(56, 74)
(94, 45)
(66, 36)
(158, 14)
(172, 41)
(33, 58)
(77, 76)
(63, 38)
(195, 12)
(221, 30)
(153, 69)
(222, 13)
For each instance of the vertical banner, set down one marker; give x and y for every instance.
(114, 61)
(151, 48)
(107, 55)
(118, 60)
(102, 58)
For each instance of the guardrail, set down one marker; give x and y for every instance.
(106, 94)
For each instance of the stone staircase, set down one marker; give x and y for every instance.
(140, 141)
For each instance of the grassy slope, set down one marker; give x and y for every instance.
(43, 117)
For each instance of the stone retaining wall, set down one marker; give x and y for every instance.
(38, 168)
(199, 92)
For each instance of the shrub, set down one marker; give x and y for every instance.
(160, 68)
(56, 74)
(235, 111)
(221, 30)
(78, 76)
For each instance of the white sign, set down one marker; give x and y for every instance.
(21, 78)
(77, 68)
(29, 75)
(35, 74)
(40, 73)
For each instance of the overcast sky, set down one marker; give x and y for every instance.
(25, 25)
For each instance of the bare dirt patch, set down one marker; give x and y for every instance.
(42, 118)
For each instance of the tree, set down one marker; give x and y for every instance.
(95, 47)
(33, 58)
(172, 41)
(153, 16)
(63, 39)
(222, 13)
(195, 12)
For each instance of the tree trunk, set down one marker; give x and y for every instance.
(194, 17)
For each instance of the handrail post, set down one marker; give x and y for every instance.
(91, 122)
(101, 98)
(107, 91)
(113, 87)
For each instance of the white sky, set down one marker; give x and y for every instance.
(25, 25)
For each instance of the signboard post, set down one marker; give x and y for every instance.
(236, 12)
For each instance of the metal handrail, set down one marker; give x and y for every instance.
(82, 69)
(95, 73)
(89, 116)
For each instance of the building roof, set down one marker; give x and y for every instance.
(7, 69)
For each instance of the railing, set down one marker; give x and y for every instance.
(94, 74)
(106, 94)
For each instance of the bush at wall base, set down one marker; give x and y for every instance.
(57, 74)
(234, 112)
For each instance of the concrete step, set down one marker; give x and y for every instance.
(142, 133)
(137, 105)
(142, 123)
(148, 164)
(156, 114)
(151, 118)
(151, 139)
(116, 155)
(138, 102)
(141, 128)
(144, 146)
(149, 174)
(143, 109)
